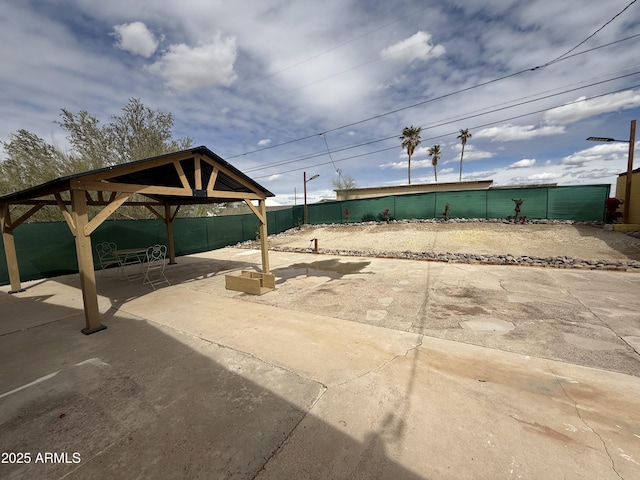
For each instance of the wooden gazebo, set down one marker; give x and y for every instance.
(188, 177)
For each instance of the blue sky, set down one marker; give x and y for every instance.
(274, 85)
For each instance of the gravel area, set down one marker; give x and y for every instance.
(544, 243)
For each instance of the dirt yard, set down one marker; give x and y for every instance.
(540, 240)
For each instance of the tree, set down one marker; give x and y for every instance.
(30, 161)
(137, 133)
(435, 156)
(344, 183)
(464, 135)
(410, 140)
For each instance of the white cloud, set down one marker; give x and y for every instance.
(470, 153)
(598, 153)
(135, 38)
(264, 142)
(524, 163)
(537, 178)
(186, 68)
(404, 163)
(416, 47)
(544, 176)
(274, 177)
(510, 132)
(581, 108)
(445, 171)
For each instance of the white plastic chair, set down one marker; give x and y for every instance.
(154, 269)
(107, 255)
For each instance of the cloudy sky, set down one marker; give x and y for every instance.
(280, 87)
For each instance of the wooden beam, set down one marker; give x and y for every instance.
(85, 265)
(181, 175)
(10, 249)
(104, 213)
(255, 210)
(197, 172)
(26, 215)
(65, 213)
(264, 244)
(159, 190)
(173, 217)
(212, 179)
(93, 204)
(126, 169)
(156, 213)
(236, 177)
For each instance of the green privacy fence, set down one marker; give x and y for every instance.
(48, 249)
(579, 203)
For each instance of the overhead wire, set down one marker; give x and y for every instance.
(425, 127)
(440, 97)
(395, 147)
(589, 37)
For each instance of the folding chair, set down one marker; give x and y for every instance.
(107, 255)
(154, 269)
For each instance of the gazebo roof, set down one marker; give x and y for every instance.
(170, 178)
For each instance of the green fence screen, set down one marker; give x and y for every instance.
(48, 249)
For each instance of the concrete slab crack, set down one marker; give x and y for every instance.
(605, 324)
(586, 424)
(383, 364)
(286, 439)
(246, 354)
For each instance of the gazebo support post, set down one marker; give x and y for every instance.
(168, 221)
(10, 250)
(264, 244)
(85, 264)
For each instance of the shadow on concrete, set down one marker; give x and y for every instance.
(332, 268)
(142, 400)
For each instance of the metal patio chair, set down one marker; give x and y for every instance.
(107, 255)
(154, 268)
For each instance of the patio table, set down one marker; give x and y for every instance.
(131, 256)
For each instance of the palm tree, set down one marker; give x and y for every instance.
(464, 135)
(435, 156)
(410, 140)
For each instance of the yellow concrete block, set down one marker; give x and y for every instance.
(251, 282)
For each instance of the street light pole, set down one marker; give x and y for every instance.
(306, 213)
(627, 190)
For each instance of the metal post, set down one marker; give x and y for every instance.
(305, 197)
(627, 190)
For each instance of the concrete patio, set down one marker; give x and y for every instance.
(351, 368)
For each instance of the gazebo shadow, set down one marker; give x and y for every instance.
(144, 398)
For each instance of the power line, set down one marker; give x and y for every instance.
(288, 142)
(589, 37)
(395, 147)
(431, 126)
